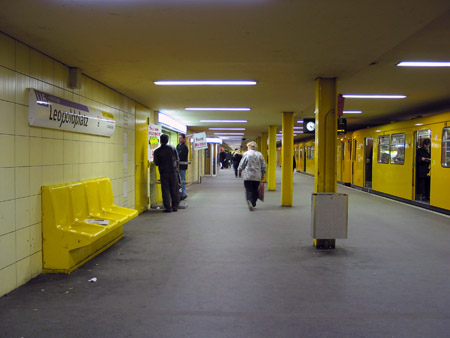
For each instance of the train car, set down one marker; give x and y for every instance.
(383, 159)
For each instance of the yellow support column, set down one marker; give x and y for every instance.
(258, 143)
(325, 180)
(263, 149)
(287, 164)
(272, 167)
(326, 135)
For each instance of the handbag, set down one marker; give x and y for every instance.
(261, 192)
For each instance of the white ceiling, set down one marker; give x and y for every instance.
(283, 44)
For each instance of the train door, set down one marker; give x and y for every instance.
(368, 162)
(304, 159)
(354, 151)
(342, 161)
(419, 136)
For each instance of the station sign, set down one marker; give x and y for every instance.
(50, 111)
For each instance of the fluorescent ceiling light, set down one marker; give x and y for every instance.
(172, 123)
(228, 133)
(214, 140)
(217, 108)
(424, 64)
(223, 121)
(352, 112)
(300, 121)
(205, 83)
(375, 96)
(226, 128)
(298, 127)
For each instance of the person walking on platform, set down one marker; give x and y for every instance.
(237, 157)
(222, 158)
(183, 152)
(254, 168)
(423, 159)
(166, 158)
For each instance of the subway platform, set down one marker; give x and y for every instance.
(216, 269)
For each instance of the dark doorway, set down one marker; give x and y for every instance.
(368, 161)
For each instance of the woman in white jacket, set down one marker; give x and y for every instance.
(253, 169)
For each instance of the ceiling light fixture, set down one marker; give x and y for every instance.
(352, 112)
(217, 108)
(226, 128)
(205, 83)
(300, 121)
(298, 127)
(223, 121)
(423, 64)
(374, 96)
(228, 133)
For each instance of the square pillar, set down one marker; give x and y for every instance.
(287, 164)
(272, 166)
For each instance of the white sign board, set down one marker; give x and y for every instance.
(154, 133)
(49, 111)
(200, 141)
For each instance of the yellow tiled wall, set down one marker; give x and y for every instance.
(31, 157)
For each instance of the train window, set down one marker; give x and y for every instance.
(383, 148)
(398, 148)
(301, 153)
(310, 153)
(354, 150)
(446, 147)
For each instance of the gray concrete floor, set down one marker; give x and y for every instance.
(218, 270)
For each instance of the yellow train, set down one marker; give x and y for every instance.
(383, 159)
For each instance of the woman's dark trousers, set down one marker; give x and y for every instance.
(251, 191)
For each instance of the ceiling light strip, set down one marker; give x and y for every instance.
(205, 83)
(373, 96)
(218, 108)
(424, 64)
(223, 121)
(226, 128)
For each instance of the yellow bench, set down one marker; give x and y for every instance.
(79, 221)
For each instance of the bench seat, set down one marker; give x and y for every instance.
(79, 221)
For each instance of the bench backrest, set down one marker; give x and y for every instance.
(79, 201)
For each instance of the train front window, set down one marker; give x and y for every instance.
(383, 148)
(398, 149)
(446, 147)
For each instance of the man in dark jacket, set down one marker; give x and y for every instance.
(166, 158)
(423, 159)
(183, 153)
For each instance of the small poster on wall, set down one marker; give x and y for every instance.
(154, 133)
(200, 141)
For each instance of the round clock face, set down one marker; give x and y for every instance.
(310, 126)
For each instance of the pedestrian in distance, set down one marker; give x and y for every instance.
(183, 153)
(166, 158)
(253, 169)
(236, 160)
